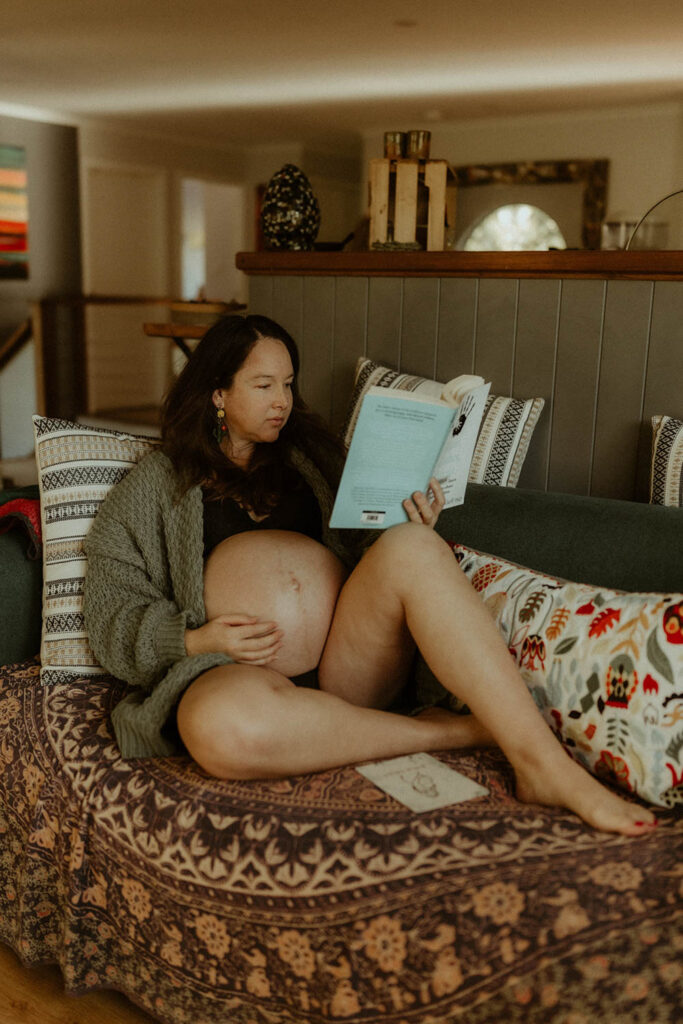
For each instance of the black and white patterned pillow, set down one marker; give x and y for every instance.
(666, 471)
(77, 466)
(505, 432)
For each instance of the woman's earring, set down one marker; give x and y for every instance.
(220, 428)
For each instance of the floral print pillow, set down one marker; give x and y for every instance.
(605, 667)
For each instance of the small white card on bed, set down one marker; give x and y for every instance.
(421, 782)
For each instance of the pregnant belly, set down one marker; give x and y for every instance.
(280, 576)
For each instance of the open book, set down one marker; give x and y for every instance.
(400, 441)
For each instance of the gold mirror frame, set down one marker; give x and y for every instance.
(591, 174)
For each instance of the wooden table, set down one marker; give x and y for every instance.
(179, 334)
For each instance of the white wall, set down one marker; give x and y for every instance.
(18, 402)
(225, 236)
(644, 144)
(337, 180)
(125, 252)
(175, 159)
(54, 269)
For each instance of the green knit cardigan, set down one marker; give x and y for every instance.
(144, 588)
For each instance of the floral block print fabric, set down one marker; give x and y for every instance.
(318, 899)
(604, 666)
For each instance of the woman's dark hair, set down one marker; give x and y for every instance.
(189, 418)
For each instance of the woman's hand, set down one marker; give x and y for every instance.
(420, 509)
(242, 637)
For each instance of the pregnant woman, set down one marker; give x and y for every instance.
(265, 644)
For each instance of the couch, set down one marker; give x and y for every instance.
(319, 898)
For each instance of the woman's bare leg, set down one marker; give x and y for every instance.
(409, 578)
(246, 722)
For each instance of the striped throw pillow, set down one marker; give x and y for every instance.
(77, 466)
(504, 436)
(666, 472)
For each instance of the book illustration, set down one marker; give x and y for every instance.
(421, 782)
(401, 440)
(464, 411)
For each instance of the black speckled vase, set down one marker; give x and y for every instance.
(290, 214)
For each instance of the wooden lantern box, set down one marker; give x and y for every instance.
(411, 202)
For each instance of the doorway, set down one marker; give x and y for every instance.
(126, 250)
(213, 231)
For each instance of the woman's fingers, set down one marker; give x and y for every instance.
(420, 509)
(262, 641)
(240, 619)
(263, 653)
(245, 626)
(257, 642)
(439, 499)
(244, 637)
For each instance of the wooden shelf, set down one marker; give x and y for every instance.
(580, 263)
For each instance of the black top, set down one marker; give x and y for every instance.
(298, 510)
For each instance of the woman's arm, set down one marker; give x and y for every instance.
(135, 632)
(135, 626)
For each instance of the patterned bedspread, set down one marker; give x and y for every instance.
(318, 898)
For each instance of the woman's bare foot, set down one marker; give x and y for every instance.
(566, 784)
(579, 792)
(455, 732)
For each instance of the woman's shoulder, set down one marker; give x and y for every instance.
(155, 464)
(152, 467)
(153, 477)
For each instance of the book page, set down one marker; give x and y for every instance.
(453, 465)
(421, 782)
(395, 445)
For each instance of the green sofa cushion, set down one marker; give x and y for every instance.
(626, 545)
(21, 580)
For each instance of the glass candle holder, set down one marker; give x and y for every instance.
(394, 145)
(418, 145)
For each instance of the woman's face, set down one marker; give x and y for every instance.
(259, 400)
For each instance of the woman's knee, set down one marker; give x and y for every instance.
(227, 720)
(409, 545)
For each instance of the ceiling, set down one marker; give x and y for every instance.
(240, 72)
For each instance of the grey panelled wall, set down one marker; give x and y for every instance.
(605, 354)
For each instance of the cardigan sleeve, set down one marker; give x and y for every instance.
(136, 630)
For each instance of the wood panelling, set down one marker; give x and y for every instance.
(419, 324)
(288, 305)
(663, 386)
(261, 295)
(605, 355)
(458, 303)
(496, 333)
(575, 386)
(350, 340)
(317, 342)
(538, 310)
(385, 312)
(628, 309)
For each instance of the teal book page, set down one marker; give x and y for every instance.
(395, 446)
